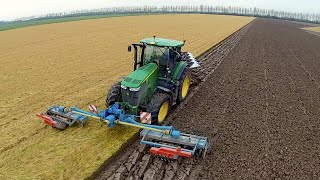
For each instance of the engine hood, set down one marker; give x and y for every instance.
(137, 77)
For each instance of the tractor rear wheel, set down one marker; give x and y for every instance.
(114, 94)
(185, 81)
(159, 107)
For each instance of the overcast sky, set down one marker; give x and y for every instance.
(12, 9)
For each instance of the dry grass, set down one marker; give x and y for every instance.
(75, 63)
(315, 29)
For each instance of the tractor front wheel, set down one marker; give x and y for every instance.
(159, 107)
(114, 94)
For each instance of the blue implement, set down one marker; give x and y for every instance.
(60, 118)
(164, 141)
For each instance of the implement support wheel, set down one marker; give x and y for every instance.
(60, 126)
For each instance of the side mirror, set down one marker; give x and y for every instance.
(129, 48)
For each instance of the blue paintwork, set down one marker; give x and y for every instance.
(73, 117)
(192, 141)
(115, 114)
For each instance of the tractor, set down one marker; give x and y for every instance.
(161, 79)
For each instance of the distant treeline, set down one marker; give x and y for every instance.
(240, 11)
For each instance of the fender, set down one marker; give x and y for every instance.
(178, 70)
(166, 90)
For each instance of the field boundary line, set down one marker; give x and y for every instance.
(312, 32)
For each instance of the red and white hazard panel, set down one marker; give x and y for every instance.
(93, 109)
(145, 117)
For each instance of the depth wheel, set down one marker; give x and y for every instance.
(159, 107)
(60, 126)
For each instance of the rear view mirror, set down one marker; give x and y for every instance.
(129, 48)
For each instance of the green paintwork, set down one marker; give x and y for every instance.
(176, 71)
(146, 78)
(139, 76)
(161, 42)
(150, 84)
(131, 109)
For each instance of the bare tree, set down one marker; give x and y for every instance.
(241, 11)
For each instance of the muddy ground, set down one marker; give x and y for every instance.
(259, 104)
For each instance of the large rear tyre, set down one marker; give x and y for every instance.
(114, 94)
(159, 107)
(185, 81)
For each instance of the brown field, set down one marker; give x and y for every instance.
(75, 63)
(259, 106)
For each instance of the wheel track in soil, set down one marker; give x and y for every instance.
(133, 161)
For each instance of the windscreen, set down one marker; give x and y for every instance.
(156, 54)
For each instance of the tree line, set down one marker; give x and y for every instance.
(202, 9)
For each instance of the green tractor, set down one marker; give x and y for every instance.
(161, 79)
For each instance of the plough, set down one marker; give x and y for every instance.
(164, 141)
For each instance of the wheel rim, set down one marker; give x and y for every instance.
(185, 87)
(163, 112)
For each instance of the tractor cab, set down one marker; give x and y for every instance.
(165, 53)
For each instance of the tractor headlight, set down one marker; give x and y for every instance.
(123, 87)
(135, 89)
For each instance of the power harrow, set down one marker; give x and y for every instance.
(164, 141)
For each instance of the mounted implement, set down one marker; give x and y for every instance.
(60, 118)
(143, 99)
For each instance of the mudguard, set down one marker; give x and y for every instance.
(178, 70)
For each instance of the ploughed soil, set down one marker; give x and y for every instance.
(259, 105)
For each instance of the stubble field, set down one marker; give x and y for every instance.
(315, 29)
(75, 63)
